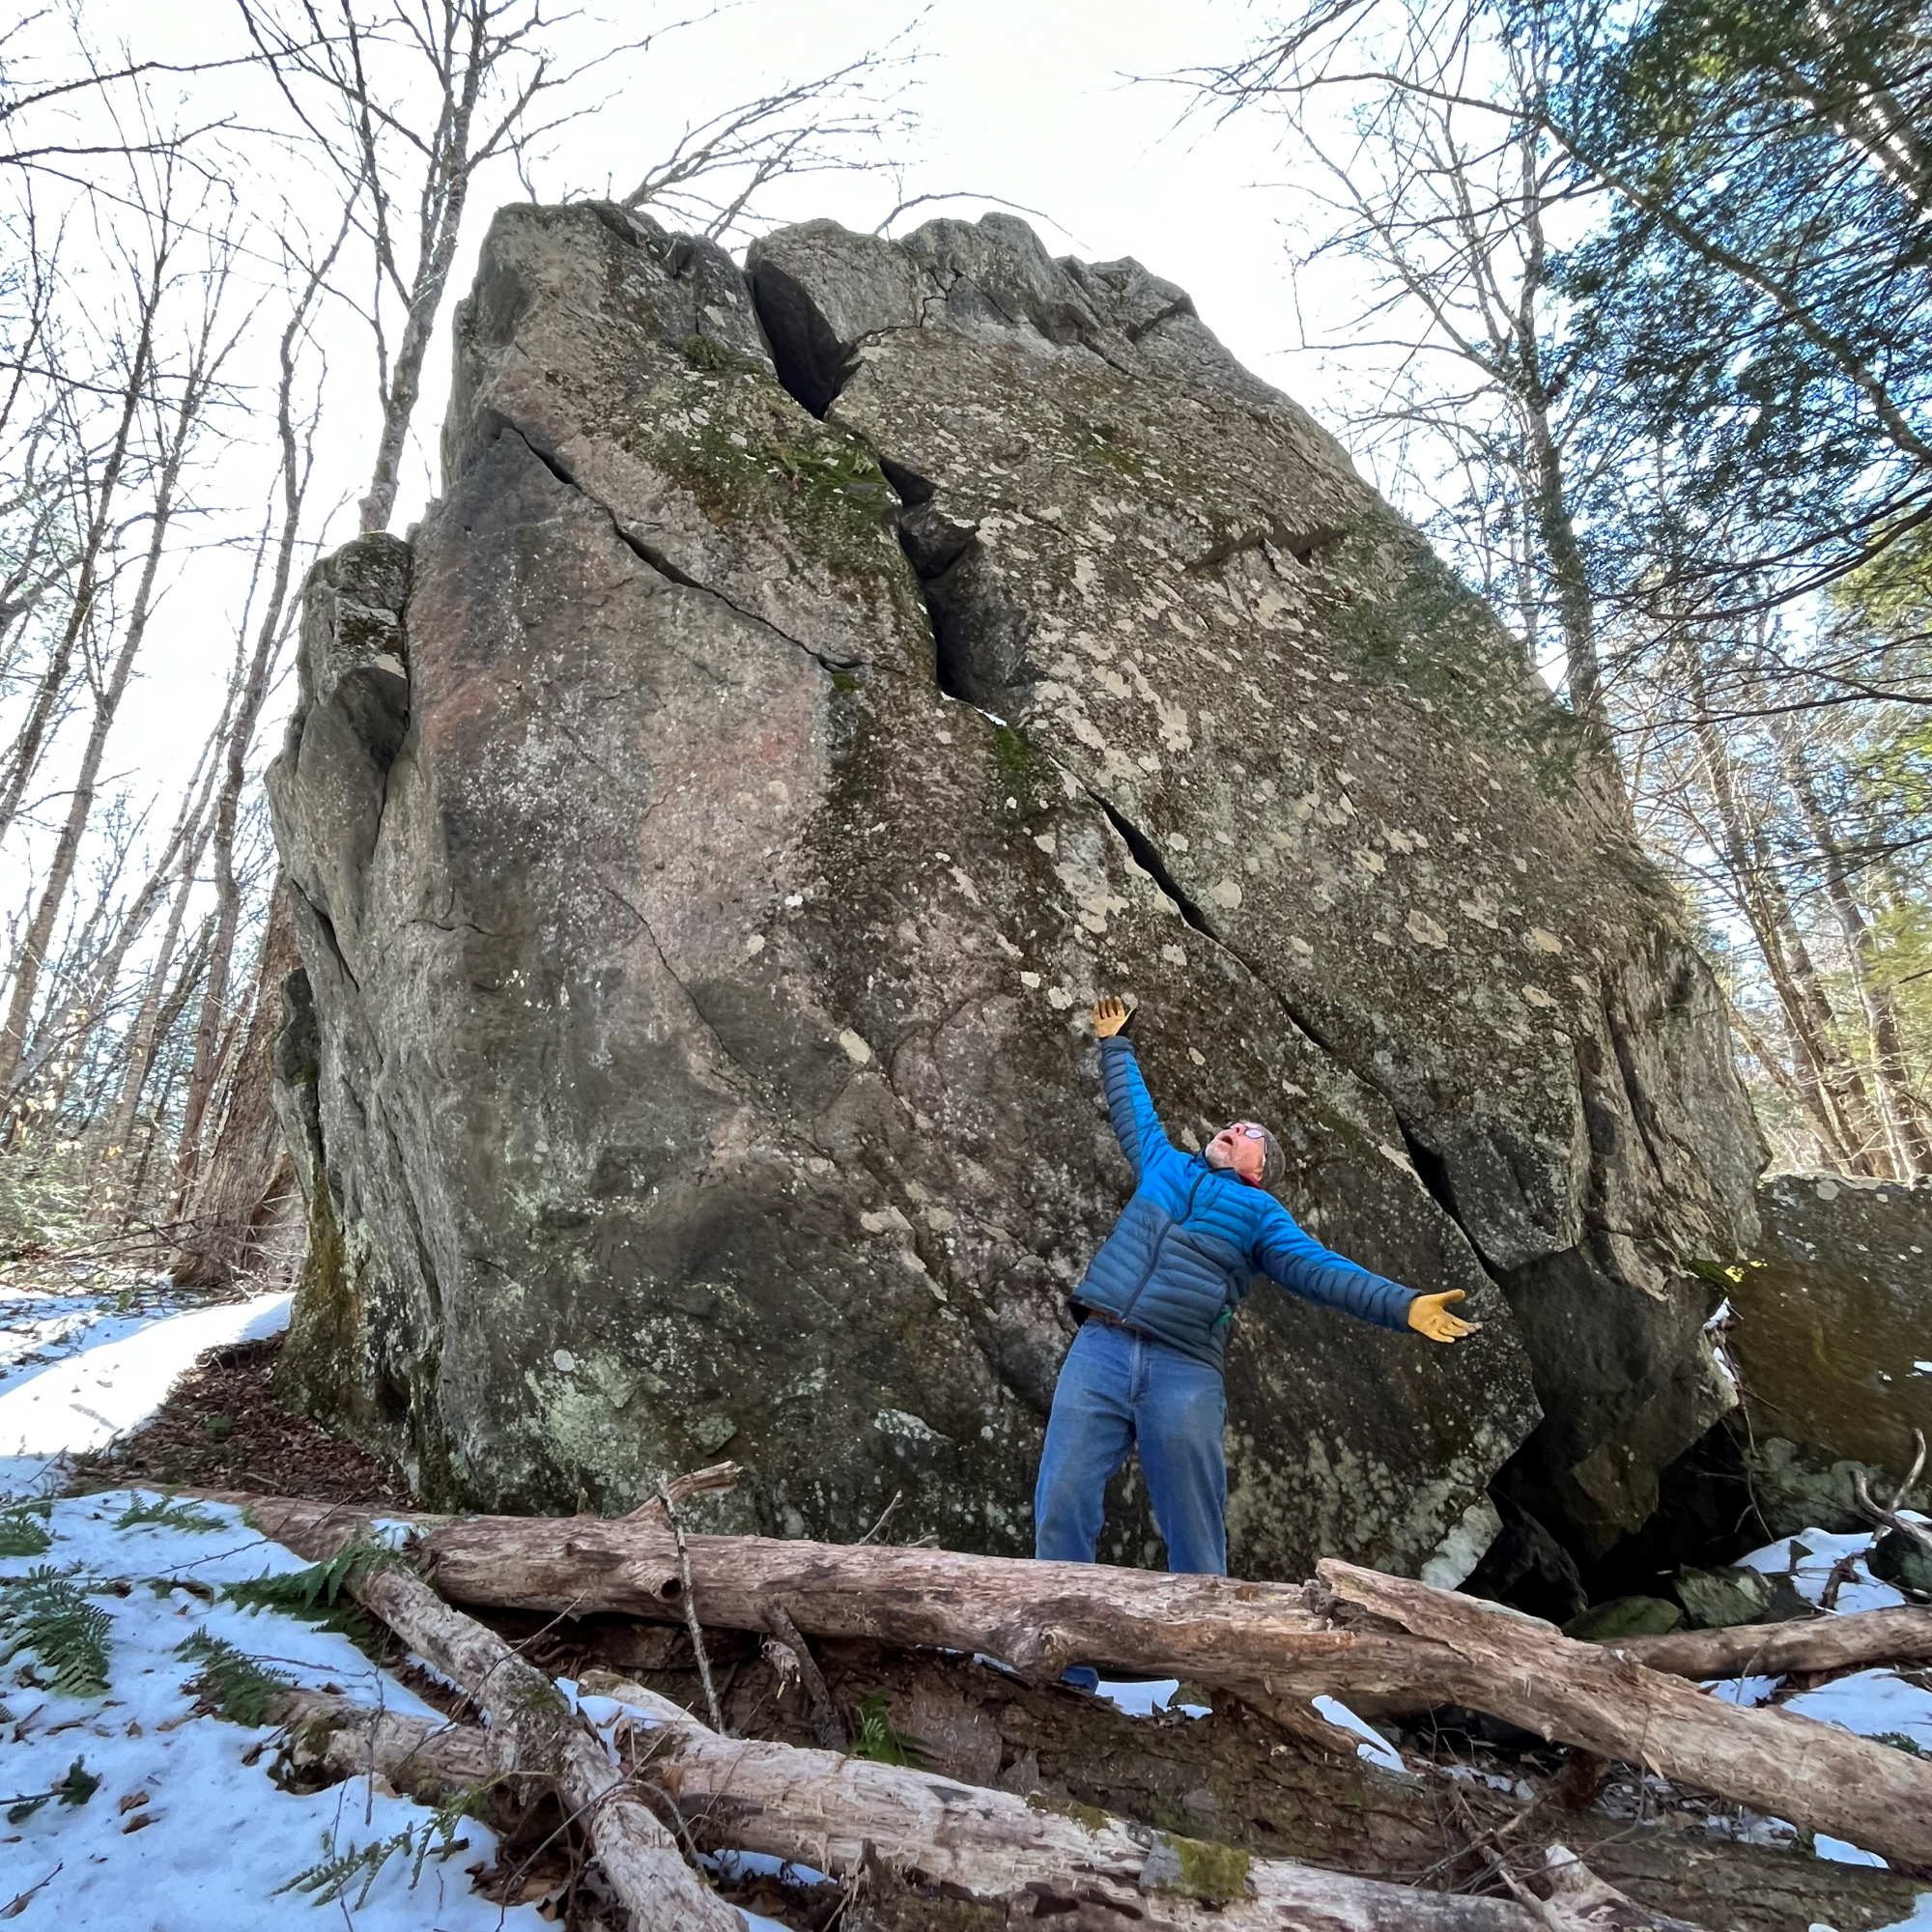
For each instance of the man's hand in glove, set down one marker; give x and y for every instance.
(1429, 1315)
(1110, 1015)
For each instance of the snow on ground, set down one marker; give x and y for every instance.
(1374, 1746)
(1874, 1703)
(78, 1370)
(1882, 1704)
(175, 1829)
(1808, 1559)
(124, 1810)
(180, 1832)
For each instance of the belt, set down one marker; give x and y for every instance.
(1107, 1320)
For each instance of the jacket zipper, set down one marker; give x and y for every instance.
(1153, 1260)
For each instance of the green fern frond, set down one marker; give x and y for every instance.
(230, 1681)
(46, 1612)
(879, 1740)
(20, 1534)
(165, 1512)
(330, 1878)
(317, 1594)
(75, 1788)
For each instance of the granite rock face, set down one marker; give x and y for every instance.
(814, 686)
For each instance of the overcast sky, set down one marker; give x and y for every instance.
(1029, 101)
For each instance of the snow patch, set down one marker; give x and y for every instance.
(1374, 1746)
(222, 1838)
(1143, 1700)
(114, 1377)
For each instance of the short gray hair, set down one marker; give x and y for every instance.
(1273, 1163)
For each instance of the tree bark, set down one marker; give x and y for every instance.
(1836, 1104)
(1890, 1066)
(1851, 1642)
(145, 1027)
(25, 756)
(1278, 1639)
(245, 1188)
(107, 706)
(842, 1815)
(1817, 1776)
(444, 193)
(250, 695)
(534, 1733)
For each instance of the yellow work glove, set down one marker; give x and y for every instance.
(1110, 1015)
(1429, 1315)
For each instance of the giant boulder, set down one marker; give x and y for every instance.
(814, 686)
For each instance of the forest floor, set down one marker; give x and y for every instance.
(117, 1388)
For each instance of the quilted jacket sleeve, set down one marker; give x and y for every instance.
(1136, 1124)
(1302, 1265)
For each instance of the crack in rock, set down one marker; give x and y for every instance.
(659, 561)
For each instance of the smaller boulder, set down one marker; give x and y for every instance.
(1622, 1617)
(1903, 1562)
(1731, 1594)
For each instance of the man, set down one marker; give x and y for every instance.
(1154, 1309)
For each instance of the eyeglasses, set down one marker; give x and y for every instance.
(1247, 1127)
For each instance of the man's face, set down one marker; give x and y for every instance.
(1240, 1149)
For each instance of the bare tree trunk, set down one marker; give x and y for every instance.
(1836, 1102)
(251, 695)
(1890, 1066)
(25, 756)
(245, 1193)
(1575, 606)
(443, 225)
(171, 1010)
(146, 1028)
(105, 974)
(844, 1815)
(107, 705)
(1549, 486)
(534, 1732)
(1848, 1642)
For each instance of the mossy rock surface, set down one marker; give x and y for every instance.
(1625, 1616)
(1835, 1323)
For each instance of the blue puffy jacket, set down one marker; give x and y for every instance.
(1186, 1250)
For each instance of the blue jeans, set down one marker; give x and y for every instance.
(1118, 1390)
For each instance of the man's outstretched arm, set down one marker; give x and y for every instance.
(1303, 1266)
(1136, 1124)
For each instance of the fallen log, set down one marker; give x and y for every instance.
(992, 1848)
(838, 1814)
(564, 1564)
(533, 1732)
(425, 1759)
(1037, 1617)
(1849, 1643)
(1528, 1672)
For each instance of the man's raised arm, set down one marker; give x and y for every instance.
(1136, 1124)
(1302, 1265)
